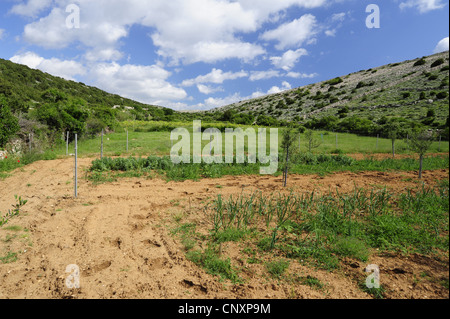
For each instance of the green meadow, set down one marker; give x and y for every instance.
(153, 138)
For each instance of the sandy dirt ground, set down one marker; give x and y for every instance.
(118, 234)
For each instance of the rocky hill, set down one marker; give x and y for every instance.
(415, 89)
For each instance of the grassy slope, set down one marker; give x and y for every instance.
(23, 87)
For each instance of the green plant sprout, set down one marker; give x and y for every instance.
(15, 212)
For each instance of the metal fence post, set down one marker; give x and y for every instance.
(67, 144)
(101, 150)
(76, 164)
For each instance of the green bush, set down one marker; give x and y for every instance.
(420, 62)
(94, 126)
(437, 63)
(442, 95)
(406, 95)
(9, 124)
(335, 81)
(264, 120)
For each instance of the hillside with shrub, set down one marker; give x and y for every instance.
(410, 95)
(36, 102)
(405, 96)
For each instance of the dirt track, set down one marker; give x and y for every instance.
(119, 236)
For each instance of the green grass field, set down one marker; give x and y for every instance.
(144, 141)
(159, 143)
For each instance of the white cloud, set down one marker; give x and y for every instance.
(207, 52)
(216, 76)
(65, 69)
(257, 94)
(293, 34)
(423, 5)
(331, 33)
(147, 84)
(298, 75)
(107, 54)
(184, 31)
(51, 32)
(442, 45)
(211, 103)
(31, 8)
(263, 75)
(265, 8)
(2, 33)
(205, 89)
(338, 17)
(289, 59)
(275, 89)
(199, 30)
(30, 59)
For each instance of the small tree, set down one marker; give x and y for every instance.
(290, 135)
(420, 143)
(312, 142)
(393, 132)
(9, 124)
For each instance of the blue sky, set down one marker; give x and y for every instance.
(202, 54)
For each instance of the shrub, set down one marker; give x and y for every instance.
(94, 126)
(334, 100)
(337, 151)
(442, 95)
(420, 62)
(9, 124)
(335, 81)
(265, 120)
(437, 62)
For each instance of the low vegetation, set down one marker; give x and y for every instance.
(319, 230)
(14, 212)
(108, 169)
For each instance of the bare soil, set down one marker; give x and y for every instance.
(118, 234)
